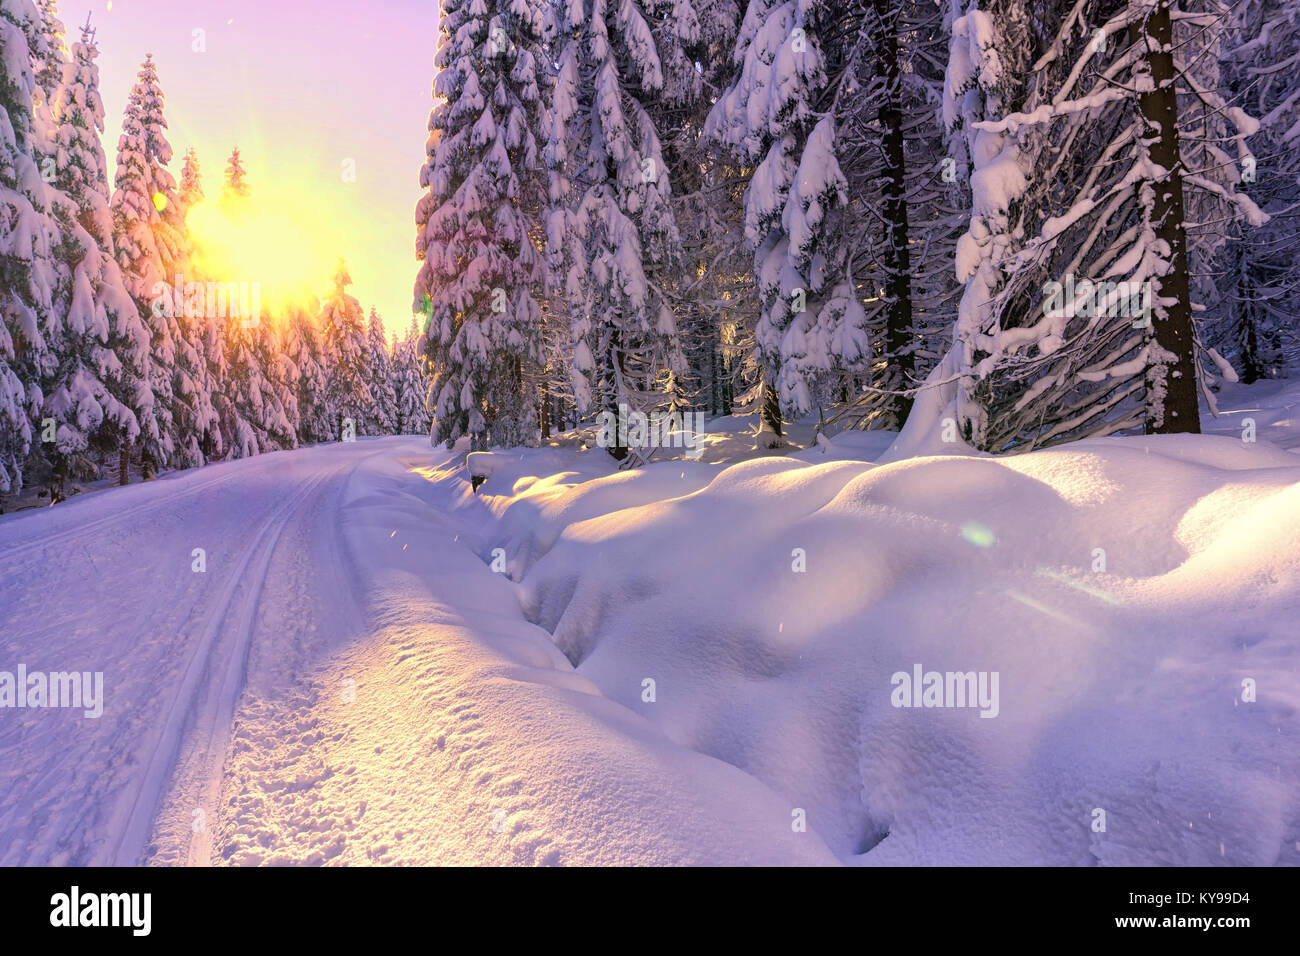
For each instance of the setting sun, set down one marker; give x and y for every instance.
(261, 240)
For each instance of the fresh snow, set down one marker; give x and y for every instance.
(468, 738)
(380, 665)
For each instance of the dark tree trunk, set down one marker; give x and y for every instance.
(715, 376)
(58, 479)
(1250, 357)
(1173, 332)
(771, 407)
(898, 269)
(728, 380)
(124, 464)
(614, 376)
(544, 412)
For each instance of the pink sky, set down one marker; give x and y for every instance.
(300, 86)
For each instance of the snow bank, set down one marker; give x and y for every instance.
(1137, 599)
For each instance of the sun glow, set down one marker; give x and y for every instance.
(262, 242)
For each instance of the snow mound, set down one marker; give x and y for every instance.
(1136, 599)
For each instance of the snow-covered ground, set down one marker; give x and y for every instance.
(699, 661)
(345, 682)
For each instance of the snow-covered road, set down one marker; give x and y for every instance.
(304, 660)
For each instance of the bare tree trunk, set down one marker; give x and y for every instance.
(1173, 331)
(124, 463)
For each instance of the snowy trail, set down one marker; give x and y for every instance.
(345, 682)
(118, 593)
(212, 722)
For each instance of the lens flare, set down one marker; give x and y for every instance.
(978, 534)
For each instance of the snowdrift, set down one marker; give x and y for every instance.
(1136, 599)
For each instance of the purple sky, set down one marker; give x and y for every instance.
(299, 86)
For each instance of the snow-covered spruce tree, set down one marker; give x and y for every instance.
(85, 380)
(256, 418)
(282, 374)
(49, 54)
(203, 410)
(412, 385)
(905, 210)
(258, 406)
(883, 244)
(779, 115)
(236, 435)
(26, 267)
(711, 294)
(234, 187)
(150, 250)
(382, 416)
(480, 268)
(612, 238)
(1081, 188)
(302, 346)
(191, 187)
(195, 374)
(344, 337)
(1257, 291)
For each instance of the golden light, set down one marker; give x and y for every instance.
(261, 241)
(159, 201)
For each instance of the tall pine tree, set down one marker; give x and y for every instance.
(612, 235)
(84, 386)
(343, 331)
(150, 251)
(26, 266)
(380, 378)
(480, 270)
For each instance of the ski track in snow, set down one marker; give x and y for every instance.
(225, 737)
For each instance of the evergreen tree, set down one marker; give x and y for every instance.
(382, 421)
(191, 188)
(411, 385)
(303, 347)
(151, 252)
(49, 53)
(480, 268)
(1083, 173)
(83, 384)
(612, 237)
(833, 105)
(26, 266)
(344, 333)
(777, 117)
(1256, 297)
(259, 408)
(235, 188)
(199, 339)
